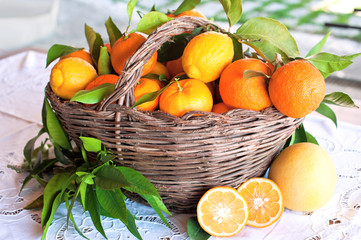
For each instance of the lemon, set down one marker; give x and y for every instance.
(206, 55)
(70, 75)
(306, 176)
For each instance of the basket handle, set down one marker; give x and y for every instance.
(134, 66)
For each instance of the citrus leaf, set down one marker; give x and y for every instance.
(300, 135)
(72, 218)
(41, 181)
(104, 64)
(150, 21)
(186, 5)
(310, 138)
(52, 210)
(233, 10)
(82, 192)
(158, 207)
(150, 96)
(113, 32)
(43, 114)
(339, 99)
(29, 147)
(327, 112)
(132, 227)
(95, 41)
(55, 130)
(109, 177)
(237, 48)
(93, 209)
(113, 203)
(36, 204)
(58, 50)
(94, 95)
(70, 208)
(173, 49)
(252, 73)
(139, 183)
(91, 144)
(195, 231)
(318, 47)
(329, 63)
(59, 155)
(56, 184)
(130, 7)
(270, 36)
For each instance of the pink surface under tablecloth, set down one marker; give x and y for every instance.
(22, 81)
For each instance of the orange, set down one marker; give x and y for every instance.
(264, 200)
(222, 212)
(221, 108)
(193, 13)
(206, 55)
(297, 88)
(174, 67)
(107, 78)
(70, 75)
(160, 69)
(184, 96)
(80, 54)
(109, 48)
(246, 93)
(124, 48)
(145, 86)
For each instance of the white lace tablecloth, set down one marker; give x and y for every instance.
(22, 81)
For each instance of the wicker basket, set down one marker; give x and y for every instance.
(182, 157)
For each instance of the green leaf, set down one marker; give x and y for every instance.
(58, 50)
(270, 36)
(328, 63)
(106, 156)
(29, 147)
(43, 114)
(186, 5)
(327, 112)
(130, 7)
(233, 10)
(311, 139)
(95, 41)
(109, 177)
(93, 209)
(132, 227)
(173, 49)
(59, 155)
(55, 129)
(72, 218)
(158, 207)
(36, 204)
(82, 191)
(52, 210)
(139, 183)
(150, 96)
(91, 144)
(56, 184)
(237, 47)
(318, 47)
(252, 73)
(70, 208)
(195, 231)
(94, 95)
(41, 181)
(112, 202)
(150, 21)
(339, 99)
(113, 31)
(104, 64)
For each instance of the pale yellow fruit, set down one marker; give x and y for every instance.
(306, 176)
(71, 75)
(206, 55)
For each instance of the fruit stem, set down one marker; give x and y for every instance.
(180, 88)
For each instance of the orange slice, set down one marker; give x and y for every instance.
(222, 212)
(264, 199)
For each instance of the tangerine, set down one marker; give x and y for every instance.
(83, 54)
(106, 78)
(145, 86)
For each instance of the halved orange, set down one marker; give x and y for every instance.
(264, 199)
(222, 212)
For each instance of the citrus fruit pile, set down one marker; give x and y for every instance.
(207, 76)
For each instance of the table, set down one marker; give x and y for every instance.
(22, 81)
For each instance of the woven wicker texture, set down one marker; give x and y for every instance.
(182, 157)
